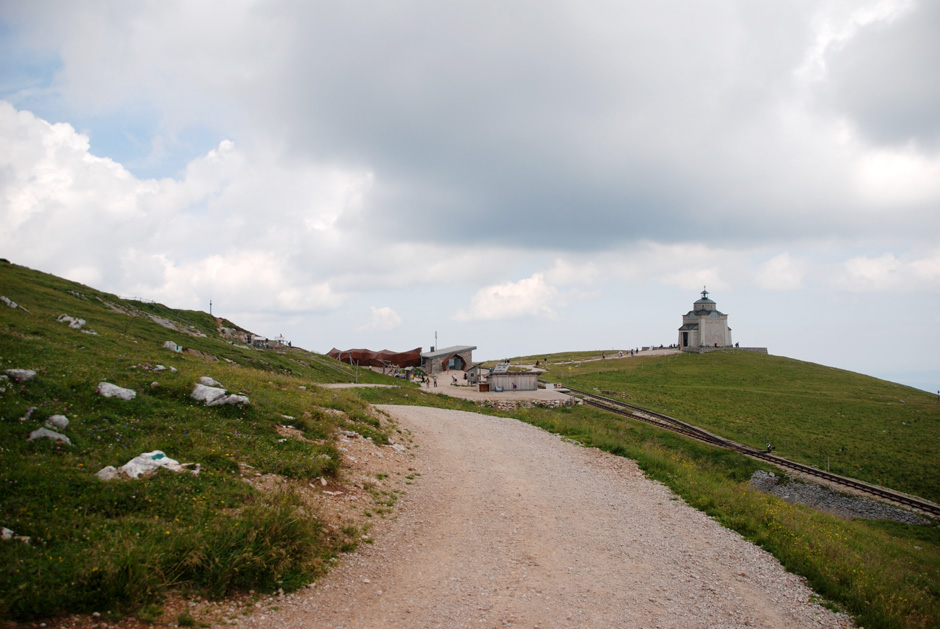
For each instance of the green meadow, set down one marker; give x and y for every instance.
(877, 431)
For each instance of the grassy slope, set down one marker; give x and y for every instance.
(119, 545)
(866, 428)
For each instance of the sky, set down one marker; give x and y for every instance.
(525, 177)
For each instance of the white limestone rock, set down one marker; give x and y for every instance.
(107, 389)
(216, 396)
(20, 375)
(57, 421)
(108, 473)
(173, 347)
(45, 433)
(209, 382)
(207, 394)
(149, 462)
(232, 400)
(74, 322)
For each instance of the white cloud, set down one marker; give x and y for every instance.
(530, 297)
(782, 272)
(383, 320)
(565, 272)
(239, 225)
(889, 273)
(895, 178)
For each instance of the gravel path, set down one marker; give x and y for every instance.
(511, 526)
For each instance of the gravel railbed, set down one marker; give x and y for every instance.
(834, 502)
(509, 525)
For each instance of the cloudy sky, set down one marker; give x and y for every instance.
(520, 176)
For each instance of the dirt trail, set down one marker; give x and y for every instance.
(511, 526)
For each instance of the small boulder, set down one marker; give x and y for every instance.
(74, 322)
(209, 382)
(216, 396)
(107, 389)
(45, 433)
(159, 368)
(148, 462)
(57, 421)
(232, 400)
(207, 394)
(173, 347)
(20, 375)
(108, 473)
(8, 302)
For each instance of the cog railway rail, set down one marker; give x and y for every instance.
(675, 425)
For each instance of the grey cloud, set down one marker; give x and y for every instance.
(505, 122)
(887, 81)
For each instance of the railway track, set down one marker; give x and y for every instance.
(670, 423)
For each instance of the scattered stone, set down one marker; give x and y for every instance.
(209, 382)
(8, 302)
(173, 347)
(57, 421)
(397, 447)
(207, 394)
(216, 396)
(28, 414)
(107, 389)
(144, 465)
(108, 473)
(20, 375)
(8, 534)
(74, 322)
(159, 368)
(45, 433)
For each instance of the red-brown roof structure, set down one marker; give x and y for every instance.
(369, 358)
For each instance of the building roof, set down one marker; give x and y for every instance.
(447, 351)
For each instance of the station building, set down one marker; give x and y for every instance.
(458, 357)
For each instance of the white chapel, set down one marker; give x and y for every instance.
(704, 326)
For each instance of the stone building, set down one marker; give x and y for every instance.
(458, 357)
(704, 326)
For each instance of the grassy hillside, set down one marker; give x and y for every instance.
(119, 545)
(862, 427)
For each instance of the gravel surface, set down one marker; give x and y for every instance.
(508, 525)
